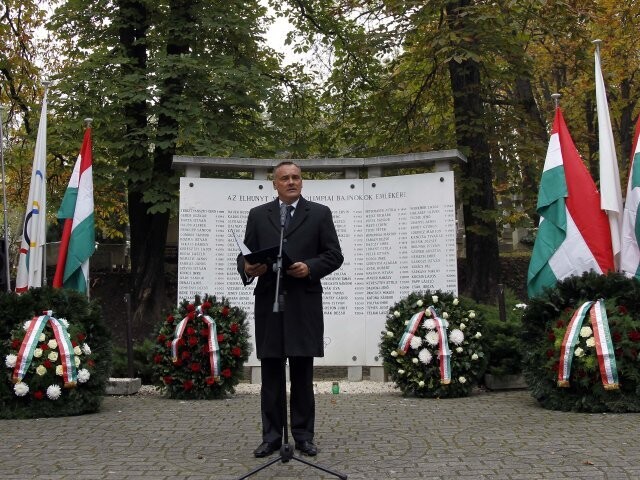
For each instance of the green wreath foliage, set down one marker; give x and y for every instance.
(189, 377)
(87, 331)
(409, 371)
(545, 321)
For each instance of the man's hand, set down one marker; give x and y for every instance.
(298, 270)
(254, 269)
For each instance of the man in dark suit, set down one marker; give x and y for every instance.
(311, 242)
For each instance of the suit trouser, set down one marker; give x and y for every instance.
(302, 401)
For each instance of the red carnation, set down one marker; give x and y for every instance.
(190, 307)
(236, 351)
(204, 332)
(220, 337)
(191, 331)
(178, 363)
(210, 380)
(181, 342)
(205, 349)
(634, 336)
(47, 364)
(38, 395)
(167, 344)
(191, 315)
(170, 319)
(559, 324)
(167, 380)
(187, 385)
(193, 341)
(616, 337)
(206, 305)
(550, 353)
(186, 355)
(81, 337)
(162, 338)
(226, 373)
(556, 366)
(74, 344)
(15, 344)
(90, 362)
(235, 328)
(195, 367)
(225, 311)
(157, 358)
(622, 310)
(44, 347)
(551, 337)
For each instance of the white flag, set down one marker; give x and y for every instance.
(30, 267)
(610, 191)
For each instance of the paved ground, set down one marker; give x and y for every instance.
(500, 435)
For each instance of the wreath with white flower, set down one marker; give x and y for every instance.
(50, 365)
(432, 345)
(201, 349)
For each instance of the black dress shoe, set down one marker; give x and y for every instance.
(265, 449)
(307, 447)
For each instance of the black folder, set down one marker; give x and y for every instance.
(268, 256)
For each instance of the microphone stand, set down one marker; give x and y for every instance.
(286, 450)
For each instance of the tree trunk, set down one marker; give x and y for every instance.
(483, 272)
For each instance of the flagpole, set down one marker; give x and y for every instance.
(87, 122)
(46, 84)
(556, 98)
(4, 207)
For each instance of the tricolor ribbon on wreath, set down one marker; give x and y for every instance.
(30, 343)
(604, 345)
(444, 353)
(214, 348)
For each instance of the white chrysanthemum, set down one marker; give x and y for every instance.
(591, 342)
(416, 343)
(462, 326)
(83, 375)
(76, 360)
(419, 303)
(10, 360)
(389, 334)
(42, 337)
(425, 356)
(421, 383)
(37, 353)
(401, 372)
(521, 306)
(394, 353)
(87, 351)
(414, 360)
(456, 336)
(432, 338)
(54, 392)
(41, 370)
(21, 389)
(53, 356)
(586, 332)
(472, 314)
(456, 301)
(25, 325)
(427, 313)
(429, 324)
(478, 335)
(445, 315)
(64, 322)
(52, 344)
(406, 322)
(459, 349)
(579, 352)
(77, 350)
(396, 314)
(474, 356)
(59, 371)
(434, 298)
(462, 379)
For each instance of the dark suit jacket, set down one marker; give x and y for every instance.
(310, 238)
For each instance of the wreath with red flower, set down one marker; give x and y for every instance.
(201, 349)
(545, 323)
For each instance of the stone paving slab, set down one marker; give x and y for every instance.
(498, 435)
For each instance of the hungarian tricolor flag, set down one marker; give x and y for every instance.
(573, 235)
(78, 236)
(630, 258)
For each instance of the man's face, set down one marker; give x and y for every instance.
(287, 180)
